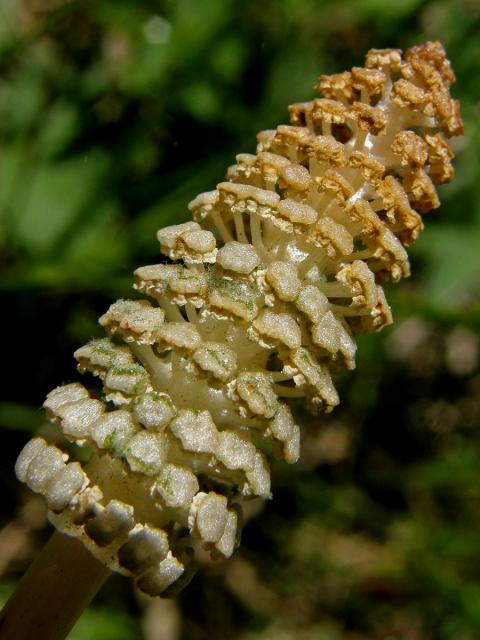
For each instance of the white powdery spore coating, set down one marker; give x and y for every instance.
(176, 485)
(284, 429)
(330, 334)
(282, 424)
(334, 235)
(316, 375)
(217, 359)
(226, 544)
(145, 547)
(43, 468)
(27, 455)
(154, 410)
(279, 326)
(239, 257)
(63, 395)
(284, 279)
(259, 477)
(296, 212)
(135, 320)
(199, 241)
(179, 334)
(312, 302)
(251, 196)
(209, 515)
(147, 452)
(110, 523)
(189, 242)
(101, 355)
(235, 452)
(168, 236)
(129, 380)
(196, 430)
(255, 389)
(296, 177)
(78, 417)
(114, 430)
(157, 580)
(65, 486)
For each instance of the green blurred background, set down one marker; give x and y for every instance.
(114, 114)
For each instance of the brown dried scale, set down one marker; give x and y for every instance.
(253, 306)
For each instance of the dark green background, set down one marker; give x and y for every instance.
(113, 115)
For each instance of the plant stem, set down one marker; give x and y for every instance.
(54, 592)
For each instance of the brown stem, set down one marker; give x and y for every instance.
(54, 592)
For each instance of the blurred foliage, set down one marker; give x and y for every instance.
(114, 114)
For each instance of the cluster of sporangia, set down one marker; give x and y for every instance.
(255, 307)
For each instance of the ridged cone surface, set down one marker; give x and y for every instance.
(256, 306)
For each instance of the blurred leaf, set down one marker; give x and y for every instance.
(96, 249)
(20, 417)
(291, 79)
(172, 207)
(55, 196)
(456, 469)
(58, 128)
(10, 168)
(392, 10)
(202, 101)
(453, 275)
(229, 57)
(105, 624)
(7, 22)
(27, 97)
